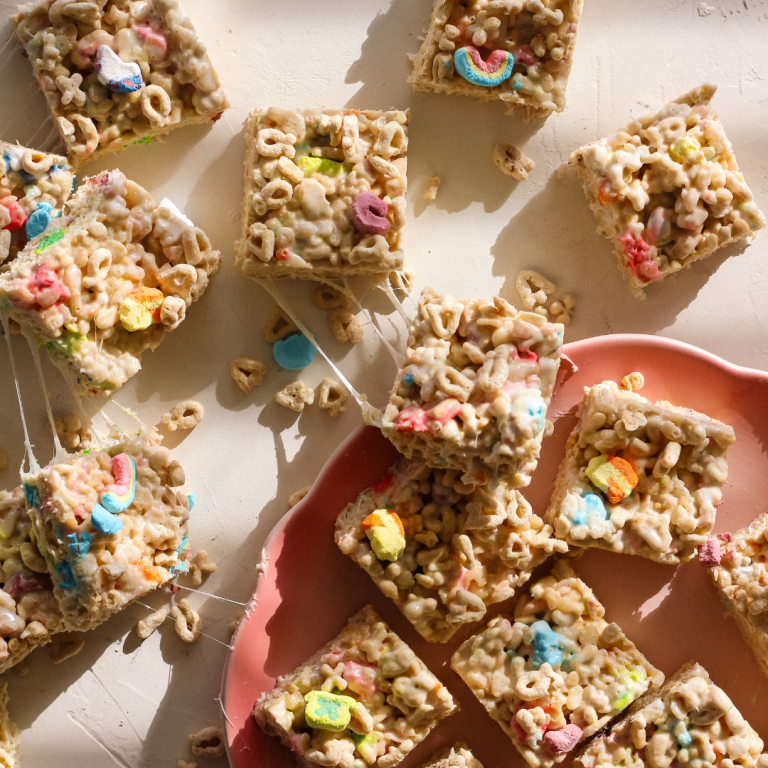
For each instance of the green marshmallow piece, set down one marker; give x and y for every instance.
(366, 745)
(312, 165)
(328, 711)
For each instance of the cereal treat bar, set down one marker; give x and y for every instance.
(639, 477)
(667, 191)
(110, 526)
(516, 51)
(10, 735)
(458, 756)
(473, 391)
(324, 193)
(740, 573)
(33, 189)
(29, 613)
(690, 721)
(441, 549)
(116, 273)
(556, 672)
(363, 699)
(116, 72)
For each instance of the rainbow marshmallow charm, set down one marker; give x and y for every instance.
(118, 496)
(118, 75)
(487, 74)
(614, 476)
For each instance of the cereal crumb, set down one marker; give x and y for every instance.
(279, 325)
(512, 161)
(247, 373)
(147, 626)
(65, 645)
(333, 397)
(328, 297)
(345, 326)
(189, 625)
(634, 382)
(295, 498)
(430, 193)
(199, 565)
(295, 396)
(235, 622)
(186, 415)
(208, 743)
(544, 289)
(562, 309)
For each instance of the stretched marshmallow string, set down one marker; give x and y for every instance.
(208, 594)
(386, 288)
(173, 621)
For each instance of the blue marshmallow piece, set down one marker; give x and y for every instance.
(118, 75)
(105, 522)
(547, 645)
(81, 547)
(293, 352)
(191, 499)
(68, 580)
(38, 222)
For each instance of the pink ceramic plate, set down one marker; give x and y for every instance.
(309, 588)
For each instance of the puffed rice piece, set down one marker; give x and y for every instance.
(679, 458)
(189, 625)
(333, 397)
(71, 432)
(10, 735)
(185, 415)
(581, 671)
(295, 396)
(199, 565)
(328, 297)
(430, 191)
(64, 646)
(529, 297)
(154, 621)
(305, 171)
(665, 726)
(295, 498)
(512, 162)
(538, 34)
(279, 325)
(389, 685)
(562, 309)
(466, 547)
(208, 743)
(247, 373)
(345, 326)
(667, 190)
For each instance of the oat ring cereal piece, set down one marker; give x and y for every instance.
(279, 325)
(544, 288)
(155, 104)
(345, 326)
(295, 396)
(186, 415)
(208, 743)
(189, 625)
(511, 161)
(273, 143)
(333, 397)
(247, 373)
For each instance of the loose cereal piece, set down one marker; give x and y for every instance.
(633, 382)
(474, 388)
(457, 756)
(556, 663)
(279, 325)
(185, 764)
(741, 578)
(333, 397)
(200, 565)
(185, 415)
(295, 396)
(667, 191)
(639, 477)
(113, 537)
(529, 297)
(328, 297)
(466, 547)
(247, 373)
(208, 743)
(324, 193)
(295, 498)
(152, 622)
(562, 310)
(235, 622)
(108, 280)
(664, 727)
(10, 735)
(33, 189)
(430, 191)
(386, 685)
(512, 161)
(189, 625)
(515, 51)
(3, 459)
(65, 646)
(345, 326)
(402, 280)
(102, 101)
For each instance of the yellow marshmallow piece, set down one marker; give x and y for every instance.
(612, 475)
(386, 533)
(328, 711)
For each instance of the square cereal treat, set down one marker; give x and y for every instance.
(556, 672)
(690, 721)
(667, 191)
(116, 273)
(516, 51)
(740, 573)
(385, 700)
(33, 189)
(116, 72)
(441, 549)
(458, 756)
(473, 391)
(639, 477)
(10, 735)
(110, 525)
(29, 613)
(324, 193)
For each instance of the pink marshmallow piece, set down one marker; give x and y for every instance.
(369, 214)
(564, 740)
(727, 537)
(710, 553)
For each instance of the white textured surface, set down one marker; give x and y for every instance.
(133, 704)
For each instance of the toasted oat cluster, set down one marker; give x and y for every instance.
(473, 391)
(690, 721)
(110, 526)
(29, 613)
(105, 284)
(556, 672)
(363, 699)
(639, 477)
(516, 51)
(667, 190)
(458, 756)
(464, 547)
(33, 189)
(118, 72)
(324, 193)
(741, 579)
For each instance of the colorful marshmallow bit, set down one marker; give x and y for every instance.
(638, 255)
(105, 522)
(67, 580)
(710, 553)
(547, 645)
(612, 475)
(367, 745)
(118, 75)
(445, 411)
(385, 531)
(470, 65)
(183, 552)
(412, 419)
(294, 352)
(632, 680)
(361, 678)
(328, 711)
(590, 507)
(154, 42)
(312, 165)
(18, 216)
(38, 222)
(564, 740)
(79, 548)
(140, 309)
(684, 148)
(658, 231)
(118, 496)
(369, 214)
(46, 286)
